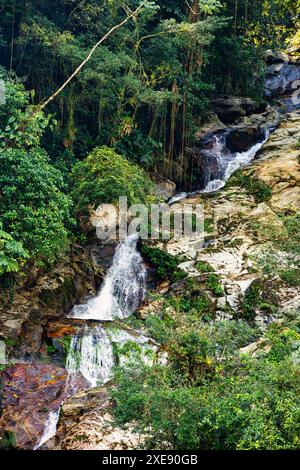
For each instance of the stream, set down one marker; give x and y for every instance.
(96, 349)
(226, 161)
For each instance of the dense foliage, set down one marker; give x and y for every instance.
(132, 111)
(212, 397)
(34, 209)
(147, 86)
(104, 176)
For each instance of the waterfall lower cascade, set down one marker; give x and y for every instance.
(96, 350)
(50, 428)
(123, 289)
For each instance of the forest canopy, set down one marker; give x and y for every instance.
(142, 94)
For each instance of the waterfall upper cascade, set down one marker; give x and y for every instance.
(228, 162)
(221, 163)
(123, 289)
(95, 351)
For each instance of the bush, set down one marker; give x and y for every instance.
(104, 176)
(12, 253)
(165, 264)
(290, 276)
(33, 208)
(206, 400)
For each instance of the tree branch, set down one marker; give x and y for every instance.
(76, 72)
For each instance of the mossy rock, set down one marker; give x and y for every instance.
(260, 297)
(253, 186)
(59, 294)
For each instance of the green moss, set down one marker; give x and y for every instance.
(9, 440)
(65, 341)
(213, 280)
(51, 350)
(253, 186)
(204, 267)
(213, 283)
(290, 276)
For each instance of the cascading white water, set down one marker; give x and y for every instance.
(123, 288)
(232, 163)
(50, 428)
(93, 352)
(224, 164)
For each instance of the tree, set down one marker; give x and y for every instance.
(34, 211)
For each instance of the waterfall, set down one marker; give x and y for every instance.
(123, 288)
(91, 354)
(230, 162)
(50, 428)
(96, 350)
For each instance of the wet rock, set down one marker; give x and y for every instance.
(210, 126)
(242, 138)
(31, 335)
(30, 393)
(87, 424)
(49, 295)
(58, 329)
(102, 255)
(277, 57)
(165, 188)
(231, 108)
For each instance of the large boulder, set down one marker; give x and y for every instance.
(164, 187)
(281, 79)
(242, 139)
(230, 108)
(31, 392)
(279, 167)
(50, 294)
(87, 424)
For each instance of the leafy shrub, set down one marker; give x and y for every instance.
(200, 400)
(213, 283)
(12, 253)
(104, 176)
(258, 296)
(33, 207)
(165, 264)
(19, 126)
(291, 276)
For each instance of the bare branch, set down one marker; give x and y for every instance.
(76, 72)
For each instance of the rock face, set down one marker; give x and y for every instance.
(281, 79)
(30, 394)
(231, 108)
(211, 154)
(86, 424)
(278, 164)
(244, 230)
(48, 295)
